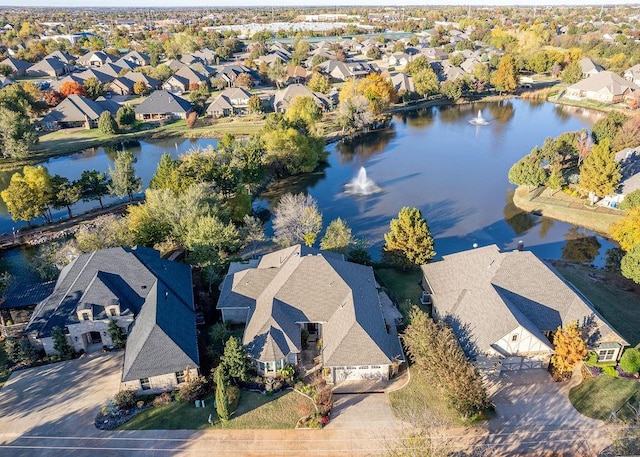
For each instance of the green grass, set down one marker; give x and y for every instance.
(620, 307)
(404, 286)
(598, 397)
(255, 411)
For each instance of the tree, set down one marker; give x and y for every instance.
(303, 110)
(319, 83)
(452, 89)
(94, 88)
(290, 150)
(630, 264)
(61, 344)
(583, 146)
(630, 360)
(416, 65)
(125, 116)
(117, 336)
(426, 82)
(277, 73)
(64, 193)
(378, 90)
(106, 123)
(409, 242)
(52, 97)
(72, 88)
(243, 80)
(527, 172)
(235, 361)
(20, 350)
(572, 73)
(505, 78)
(27, 195)
(255, 104)
(192, 118)
(124, 181)
(296, 220)
(5, 70)
(570, 347)
(93, 186)
(141, 88)
(628, 135)
(599, 172)
(222, 408)
(607, 128)
(166, 175)
(556, 180)
(337, 237)
(16, 133)
(251, 232)
(631, 200)
(374, 53)
(626, 231)
(355, 113)
(209, 239)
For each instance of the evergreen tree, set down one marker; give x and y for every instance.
(337, 237)
(124, 181)
(222, 408)
(409, 243)
(599, 172)
(61, 344)
(556, 180)
(106, 124)
(93, 185)
(166, 175)
(235, 361)
(570, 347)
(117, 336)
(527, 172)
(125, 116)
(630, 264)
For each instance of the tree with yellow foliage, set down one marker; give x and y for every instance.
(627, 230)
(570, 347)
(375, 88)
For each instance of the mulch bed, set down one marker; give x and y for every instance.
(111, 422)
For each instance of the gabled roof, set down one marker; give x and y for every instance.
(605, 82)
(299, 284)
(99, 75)
(17, 64)
(161, 101)
(491, 293)
(402, 81)
(21, 295)
(74, 108)
(589, 66)
(48, 64)
(282, 98)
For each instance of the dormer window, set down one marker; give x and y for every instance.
(514, 338)
(85, 316)
(112, 311)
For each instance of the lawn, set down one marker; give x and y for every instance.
(598, 397)
(620, 307)
(255, 411)
(404, 286)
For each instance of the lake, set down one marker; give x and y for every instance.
(432, 159)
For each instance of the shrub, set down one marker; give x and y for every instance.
(193, 390)
(631, 200)
(233, 398)
(162, 399)
(592, 359)
(610, 371)
(125, 399)
(630, 361)
(106, 123)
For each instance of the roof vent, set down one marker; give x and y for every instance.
(491, 263)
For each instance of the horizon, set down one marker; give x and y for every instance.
(170, 4)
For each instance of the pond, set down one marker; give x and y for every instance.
(433, 159)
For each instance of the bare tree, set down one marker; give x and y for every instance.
(296, 220)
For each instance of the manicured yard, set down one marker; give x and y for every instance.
(405, 287)
(620, 307)
(254, 411)
(598, 397)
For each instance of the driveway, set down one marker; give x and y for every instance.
(535, 417)
(60, 398)
(362, 411)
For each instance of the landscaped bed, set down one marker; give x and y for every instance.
(600, 396)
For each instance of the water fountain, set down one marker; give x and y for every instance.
(362, 184)
(479, 120)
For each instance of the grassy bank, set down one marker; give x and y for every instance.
(599, 397)
(572, 211)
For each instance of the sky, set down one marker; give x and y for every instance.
(268, 3)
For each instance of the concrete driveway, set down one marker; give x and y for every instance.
(60, 398)
(362, 411)
(535, 417)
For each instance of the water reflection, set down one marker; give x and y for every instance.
(580, 246)
(364, 147)
(519, 221)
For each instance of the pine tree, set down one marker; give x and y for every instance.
(599, 172)
(222, 408)
(337, 237)
(234, 360)
(60, 343)
(124, 181)
(106, 124)
(630, 264)
(409, 243)
(556, 180)
(570, 347)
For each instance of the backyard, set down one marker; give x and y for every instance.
(600, 396)
(615, 297)
(255, 411)
(404, 287)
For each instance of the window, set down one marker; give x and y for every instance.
(375, 366)
(514, 337)
(112, 311)
(363, 367)
(180, 377)
(145, 384)
(85, 316)
(606, 354)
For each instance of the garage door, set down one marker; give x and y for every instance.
(521, 363)
(358, 373)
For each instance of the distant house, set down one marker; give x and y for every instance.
(149, 298)
(605, 87)
(589, 67)
(403, 82)
(629, 160)
(300, 290)
(399, 59)
(163, 105)
(104, 78)
(282, 98)
(77, 111)
(633, 74)
(94, 59)
(48, 67)
(230, 101)
(4, 81)
(124, 85)
(505, 306)
(139, 58)
(18, 66)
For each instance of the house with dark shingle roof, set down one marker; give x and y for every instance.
(505, 306)
(18, 303)
(300, 290)
(149, 298)
(163, 105)
(77, 111)
(18, 66)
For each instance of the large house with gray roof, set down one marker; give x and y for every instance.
(149, 298)
(605, 87)
(300, 290)
(505, 306)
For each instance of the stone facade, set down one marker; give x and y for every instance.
(156, 384)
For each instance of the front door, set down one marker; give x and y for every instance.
(95, 337)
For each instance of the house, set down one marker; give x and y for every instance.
(230, 101)
(403, 82)
(300, 290)
(104, 78)
(149, 298)
(342, 71)
(124, 84)
(629, 160)
(398, 59)
(139, 58)
(633, 74)
(589, 67)
(505, 306)
(163, 105)
(18, 67)
(605, 87)
(18, 303)
(4, 82)
(77, 111)
(282, 98)
(94, 59)
(48, 67)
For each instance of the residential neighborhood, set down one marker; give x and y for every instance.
(347, 230)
